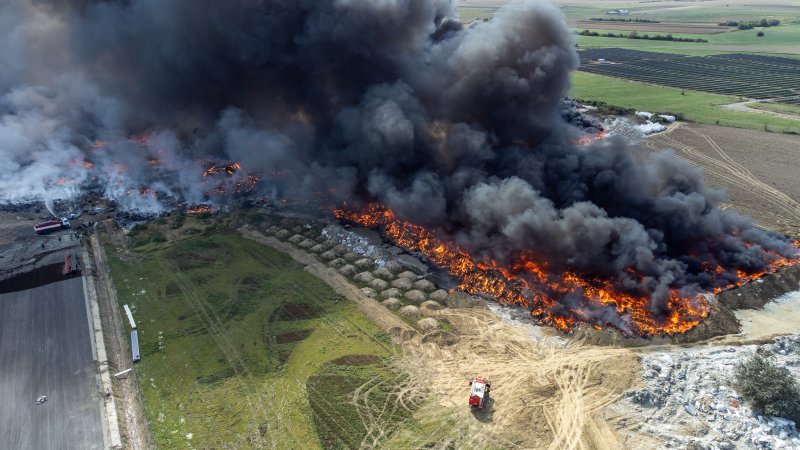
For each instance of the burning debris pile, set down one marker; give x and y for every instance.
(562, 298)
(457, 129)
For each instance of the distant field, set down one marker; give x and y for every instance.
(783, 39)
(469, 14)
(698, 107)
(640, 27)
(707, 11)
(233, 335)
(688, 20)
(743, 75)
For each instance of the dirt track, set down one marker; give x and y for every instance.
(545, 393)
(757, 169)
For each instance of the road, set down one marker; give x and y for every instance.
(45, 349)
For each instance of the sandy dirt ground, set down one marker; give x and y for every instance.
(758, 170)
(547, 392)
(761, 323)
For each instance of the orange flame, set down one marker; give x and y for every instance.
(591, 138)
(528, 283)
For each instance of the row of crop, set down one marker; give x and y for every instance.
(717, 84)
(620, 54)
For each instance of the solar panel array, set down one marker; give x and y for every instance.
(738, 74)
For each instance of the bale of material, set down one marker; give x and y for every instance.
(364, 277)
(319, 248)
(365, 264)
(425, 286)
(431, 305)
(296, 239)
(369, 292)
(329, 255)
(350, 257)
(410, 311)
(297, 230)
(415, 296)
(347, 270)
(307, 244)
(336, 263)
(427, 324)
(402, 334)
(440, 295)
(394, 266)
(403, 283)
(270, 231)
(392, 303)
(327, 243)
(282, 234)
(379, 284)
(461, 299)
(311, 234)
(383, 273)
(441, 338)
(408, 275)
(391, 292)
(339, 249)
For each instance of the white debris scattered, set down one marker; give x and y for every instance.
(667, 117)
(358, 244)
(644, 114)
(620, 126)
(688, 401)
(651, 127)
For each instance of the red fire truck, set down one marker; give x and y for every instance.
(50, 226)
(478, 392)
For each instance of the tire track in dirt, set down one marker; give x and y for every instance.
(534, 383)
(730, 172)
(791, 205)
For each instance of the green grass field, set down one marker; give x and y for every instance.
(232, 333)
(780, 40)
(695, 106)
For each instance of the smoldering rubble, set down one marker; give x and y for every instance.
(453, 127)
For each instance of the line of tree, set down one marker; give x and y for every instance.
(635, 35)
(614, 19)
(742, 25)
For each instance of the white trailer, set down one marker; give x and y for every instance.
(130, 316)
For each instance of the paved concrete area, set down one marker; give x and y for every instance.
(45, 349)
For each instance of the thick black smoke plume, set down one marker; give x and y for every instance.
(455, 127)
